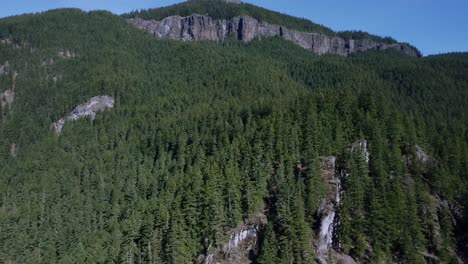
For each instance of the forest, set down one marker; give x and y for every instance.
(205, 135)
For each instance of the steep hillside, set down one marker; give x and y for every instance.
(217, 20)
(232, 152)
(220, 10)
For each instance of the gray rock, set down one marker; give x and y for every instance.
(7, 98)
(199, 27)
(90, 108)
(4, 68)
(13, 150)
(360, 146)
(422, 155)
(241, 242)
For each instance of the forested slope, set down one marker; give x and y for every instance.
(203, 135)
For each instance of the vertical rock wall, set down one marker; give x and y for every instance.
(246, 28)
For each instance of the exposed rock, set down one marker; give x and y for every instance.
(422, 155)
(6, 41)
(12, 43)
(328, 246)
(246, 28)
(4, 68)
(13, 77)
(7, 98)
(455, 210)
(66, 54)
(435, 227)
(328, 212)
(336, 258)
(361, 146)
(48, 62)
(90, 108)
(242, 241)
(62, 55)
(328, 209)
(13, 150)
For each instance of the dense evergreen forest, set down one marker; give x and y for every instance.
(205, 135)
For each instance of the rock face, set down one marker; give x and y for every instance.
(328, 207)
(241, 243)
(328, 246)
(90, 108)
(360, 146)
(7, 98)
(245, 28)
(422, 155)
(6, 102)
(61, 55)
(13, 150)
(4, 68)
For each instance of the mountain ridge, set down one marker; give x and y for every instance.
(204, 136)
(245, 28)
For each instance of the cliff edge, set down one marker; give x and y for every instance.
(245, 28)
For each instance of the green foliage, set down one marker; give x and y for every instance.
(364, 35)
(203, 135)
(220, 10)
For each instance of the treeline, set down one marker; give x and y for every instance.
(204, 135)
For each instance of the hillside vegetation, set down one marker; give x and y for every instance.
(203, 135)
(219, 10)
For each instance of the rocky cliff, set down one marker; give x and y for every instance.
(241, 246)
(246, 28)
(90, 108)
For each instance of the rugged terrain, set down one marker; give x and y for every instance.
(246, 28)
(131, 146)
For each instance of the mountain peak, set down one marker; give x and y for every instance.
(225, 1)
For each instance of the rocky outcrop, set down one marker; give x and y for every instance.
(6, 99)
(240, 245)
(328, 207)
(61, 55)
(422, 156)
(6, 41)
(66, 54)
(6, 102)
(246, 28)
(4, 68)
(90, 108)
(13, 150)
(360, 146)
(10, 43)
(327, 248)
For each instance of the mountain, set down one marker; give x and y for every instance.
(119, 145)
(247, 22)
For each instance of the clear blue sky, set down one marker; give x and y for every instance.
(433, 26)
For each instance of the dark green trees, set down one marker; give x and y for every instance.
(204, 135)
